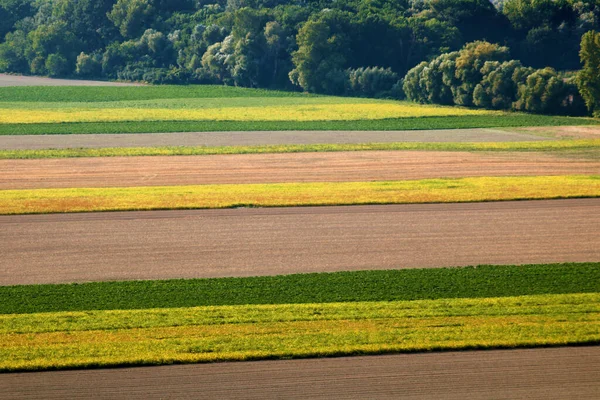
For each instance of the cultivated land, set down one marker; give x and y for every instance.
(273, 168)
(253, 332)
(346, 313)
(251, 242)
(20, 80)
(242, 138)
(544, 374)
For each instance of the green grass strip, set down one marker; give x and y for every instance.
(421, 123)
(550, 145)
(40, 201)
(389, 285)
(251, 332)
(59, 94)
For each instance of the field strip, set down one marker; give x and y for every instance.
(450, 190)
(537, 374)
(355, 286)
(7, 80)
(297, 112)
(564, 146)
(279, 168)
(253, 332)
(393, 124)
(260, 138)
(273, 241)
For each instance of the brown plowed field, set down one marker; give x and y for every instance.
(266, 168)
(544, 374)
(272, 241)
(20, 80)
(259, 138)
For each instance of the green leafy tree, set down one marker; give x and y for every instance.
(320, 59)
(132, 17)
(588, 79)
(498, 89)
(57, 65)
(545, 92)
(469, 65)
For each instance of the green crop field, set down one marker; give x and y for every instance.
(392, 285)
(68, 110)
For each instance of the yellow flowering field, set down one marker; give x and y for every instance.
(310, 112)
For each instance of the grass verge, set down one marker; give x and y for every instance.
(230, 333)
(357, 286)
(423, 123)
(554, 145)
(38, 201)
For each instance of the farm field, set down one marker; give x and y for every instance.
(544, 373)
(359, 166)
(260, 138)
(457, 190)
(147, 109)
(276, 241)
(253, 332)
(73, 149)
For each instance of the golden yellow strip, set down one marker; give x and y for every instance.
(314, 112)
(60, 340)
(298, 194)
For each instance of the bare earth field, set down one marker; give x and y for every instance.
(248, 242)
(556, 373)
(20, 80)
(215, 139)
(275, 168)
(563, 132)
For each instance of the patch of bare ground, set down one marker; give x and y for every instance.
(276, 168)
(22, 80)
(260, 138)
(62, 248)
(548, 374)
(563, 132)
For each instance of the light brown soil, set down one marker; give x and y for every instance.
(273, 241)
(544, 374)
(565, 132)
(266, 168)
(213, 139)
(20, 80)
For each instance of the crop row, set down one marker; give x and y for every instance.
(224, 333)
(566, 146)
(423, 123)
(39, 201)
(357, 286)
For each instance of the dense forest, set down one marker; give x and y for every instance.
(503, 54)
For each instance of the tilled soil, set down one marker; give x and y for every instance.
(544, 374)
(259, 138)
(273, 168)
(21, 80)
(273, 241)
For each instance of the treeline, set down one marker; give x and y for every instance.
(354, 47)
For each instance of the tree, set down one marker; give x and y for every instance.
(498, 89)
(588, 79)
(57, 65)
(319, 60)
(545, 92)
(469, 65)
(132, 17)
(412, 87)
(371, 82)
